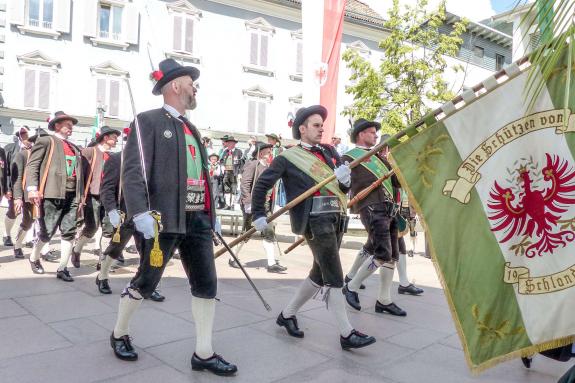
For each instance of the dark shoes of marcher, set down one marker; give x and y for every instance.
(8, 241)
(37, 267)
(156, 297)
(215, 364)
(355, 340)
(409, 289)
(51, 256)
(391, 308)
(352, 298)
(233, 264)
(122, 347)
(64, 275)
(276, 268)
(18, 254)
(75, 258)
(347, 280)
(290, 325)
(103, 286)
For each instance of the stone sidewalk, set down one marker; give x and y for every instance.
(51, 331)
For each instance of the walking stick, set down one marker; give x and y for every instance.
(358, 197)
(309, 193)
(227, 247)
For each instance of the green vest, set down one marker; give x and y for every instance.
(316, 169)
(375, 166)
(193, 158)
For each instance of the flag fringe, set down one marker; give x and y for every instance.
(475, 369)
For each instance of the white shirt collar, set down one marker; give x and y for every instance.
(362, 147)
(170, 109)
(101, 148)
(61, 136)
(306, 145)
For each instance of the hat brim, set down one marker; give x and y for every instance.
(111, 131)
(194, 73)
(213, 155)
(228, 140)
(53, 122)
(361, 127)
(260, 148)
(299, 120)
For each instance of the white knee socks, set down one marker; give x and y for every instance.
(203, 311)
(105, 267)
(126, 309)
(20, 235)
(336, 306)
(386, 277)
(8, 225)
(80, 243)
(367, 268)
(38, 246)
(304, 293)
(269, 247)
(361, 256)
(65, 251)
(402, 270)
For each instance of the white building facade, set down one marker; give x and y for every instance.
(75, 55)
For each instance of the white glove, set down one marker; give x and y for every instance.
(145, 224)
(248, 209)
(261, 224)
(114, 216)
(343, 174)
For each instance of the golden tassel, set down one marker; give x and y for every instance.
(116, 237)
(156, 255)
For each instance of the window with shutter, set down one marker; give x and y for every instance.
(44, 90)
(177, 33)
(29, 88)
(251, 116)
(299, 58)
(114, 98)
(254, 48)
(40, 13)
(110, 21)
(189, 35)
(264, 50)
(261, 117)
(101, 92)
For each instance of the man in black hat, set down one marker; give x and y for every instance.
(252, 171)
(55, 183)
(95, 157)
(21, 142)
(377, 212)
(20, 199)
(174, 183)
(216, 178)
(320, 218)
(231, 161)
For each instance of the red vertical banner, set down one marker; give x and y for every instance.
(328, 74)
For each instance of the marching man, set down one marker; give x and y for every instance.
(320, 218)
(181, 193)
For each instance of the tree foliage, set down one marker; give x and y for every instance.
(410, 76)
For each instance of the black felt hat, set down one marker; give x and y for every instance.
(168, 70)
(227, 138)
(360, 125)
(107, 130)
(302, 114)
(59, 117)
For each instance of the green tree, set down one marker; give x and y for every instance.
(410, 76)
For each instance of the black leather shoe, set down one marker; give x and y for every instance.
(37, 267)
(277, 268)
(18, 254)
(356, 340)
(29, 245)
(215, 364)
(8, 241)
(347, 280)
(157, 297)
(64, 275)
(283, 268)
(75, 259)
(50, 256)
(527, 362)
(123, 348)
(409, 289)
(103, 286)
(352, 298)
(290, 325)
(233, 264)
(132, 249)
(391, 308)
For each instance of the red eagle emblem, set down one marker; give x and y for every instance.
(537, 214)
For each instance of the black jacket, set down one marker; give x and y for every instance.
(11, 151)
(3, 173)
(111, 184)
(164, 146)
(296, 183)
(362, 178)
(237, 160)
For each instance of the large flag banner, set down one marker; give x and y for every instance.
(494, 181)
(322, 27)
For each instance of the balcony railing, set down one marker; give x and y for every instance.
(109, 36)
(40, 23)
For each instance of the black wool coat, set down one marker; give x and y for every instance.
(111, 184)
(164, 148)
(296, 183)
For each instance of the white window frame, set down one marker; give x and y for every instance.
(260, 28)
(261, 98)
(38, 69)
(108, 72)
(186, 11)
(39, 24)
(109, 35)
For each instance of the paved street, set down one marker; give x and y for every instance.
(51, 331)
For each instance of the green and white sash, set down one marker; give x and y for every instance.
(376, 167)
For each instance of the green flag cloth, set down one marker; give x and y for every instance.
(495, 186)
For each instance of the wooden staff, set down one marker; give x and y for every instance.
(309, 193)
(358, 197)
